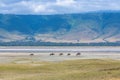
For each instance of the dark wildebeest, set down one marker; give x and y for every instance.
(60, 54)
(68, 54)
(51, 54)
(31, 54)
(78, 54)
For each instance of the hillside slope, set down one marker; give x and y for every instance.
(94, 27)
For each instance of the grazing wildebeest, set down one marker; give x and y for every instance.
(51, 54)
(78, 54)
(60, 54)
(68, 54)
(31, 54)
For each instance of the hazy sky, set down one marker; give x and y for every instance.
(56, 6)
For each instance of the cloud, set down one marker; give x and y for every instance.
(56, 6)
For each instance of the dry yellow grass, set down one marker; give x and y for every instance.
(114, 79)
(91, 69)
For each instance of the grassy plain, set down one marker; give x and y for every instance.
(87, 69)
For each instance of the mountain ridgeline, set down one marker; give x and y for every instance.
(96, 28)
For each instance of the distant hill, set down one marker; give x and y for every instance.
(96, 27)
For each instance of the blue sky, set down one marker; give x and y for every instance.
(56, 6)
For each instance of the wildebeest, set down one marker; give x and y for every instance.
(78, 54)
(68, 54)
(60, 54)
(31, 54)
(51, 54)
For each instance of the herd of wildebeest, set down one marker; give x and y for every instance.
(60, 54)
